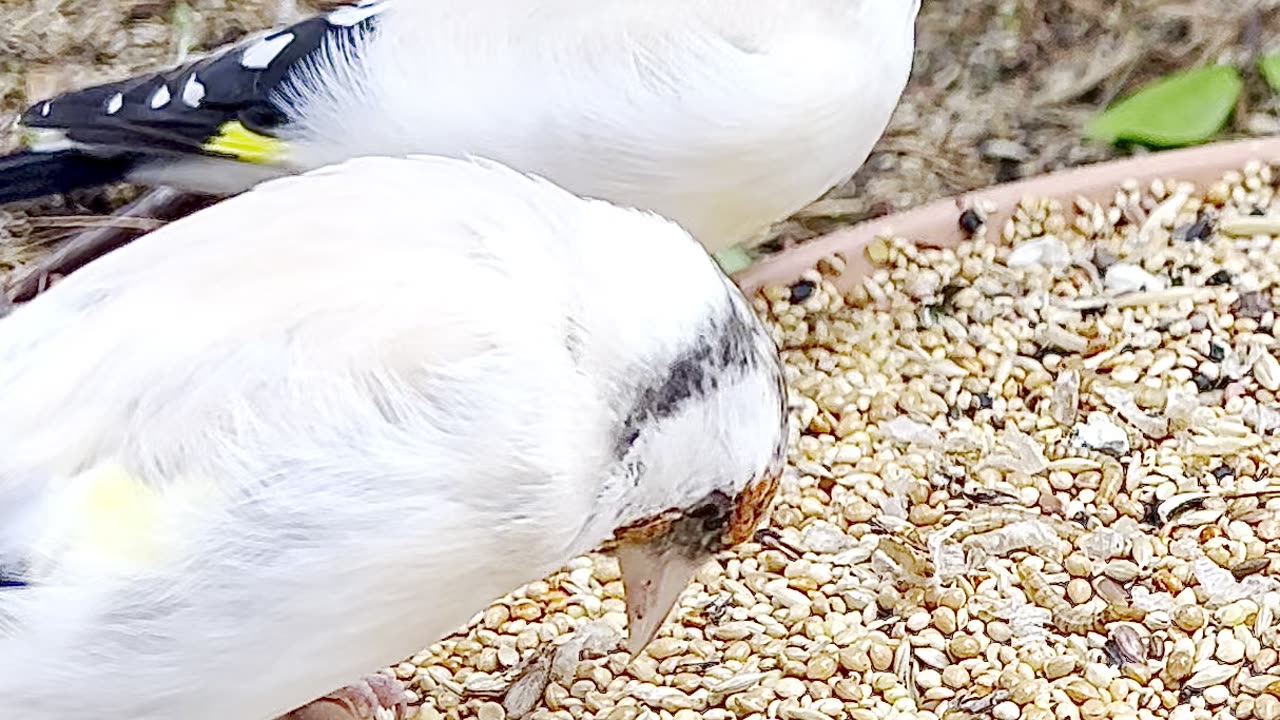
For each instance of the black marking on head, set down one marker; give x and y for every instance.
(95, 118)
(726, 346)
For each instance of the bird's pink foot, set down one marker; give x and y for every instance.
(376, 697)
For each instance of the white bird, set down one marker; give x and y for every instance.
(726, 116)
(302, 434)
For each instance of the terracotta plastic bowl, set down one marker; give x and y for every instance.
(937, 224)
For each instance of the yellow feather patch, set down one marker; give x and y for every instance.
(111, 518)
(118, 516)
(237, 141)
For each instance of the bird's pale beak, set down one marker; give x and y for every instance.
(653, 575)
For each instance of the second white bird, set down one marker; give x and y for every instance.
(724, 115)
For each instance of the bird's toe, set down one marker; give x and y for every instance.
(376, 697)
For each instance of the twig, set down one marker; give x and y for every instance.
(141, 224)
(163, 204)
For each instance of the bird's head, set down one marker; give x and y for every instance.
(701, 446)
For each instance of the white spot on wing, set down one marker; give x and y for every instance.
(45, 108)
(193, 92)
(259, 55)
(161, 97)
(115, 103)
(353, 15)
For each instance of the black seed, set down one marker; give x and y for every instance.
(1216, 352)
(971, 221)
(949, 294)
(1152, 514)
(1203, 382)
(801, 292)
(1206, 385)
(985, 402)
(1222, 277)
(1198, 231)
(1201, 230)
(1114, 656)
(1222, 471)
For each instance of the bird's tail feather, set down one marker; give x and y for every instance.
(28, 175)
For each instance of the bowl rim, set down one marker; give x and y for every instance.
(936, 224)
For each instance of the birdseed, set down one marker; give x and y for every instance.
(835, 512)
(1030, 490)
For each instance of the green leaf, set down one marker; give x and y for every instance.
(734, 259)
(1270, 67)
(1182, 109)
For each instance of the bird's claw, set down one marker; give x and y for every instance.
(376, 697)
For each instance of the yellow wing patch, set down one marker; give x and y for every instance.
(237, 141)
(111, 518)
(118, 514)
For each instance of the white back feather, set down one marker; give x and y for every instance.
(724, 115)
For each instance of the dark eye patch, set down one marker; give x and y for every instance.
(703, 526)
